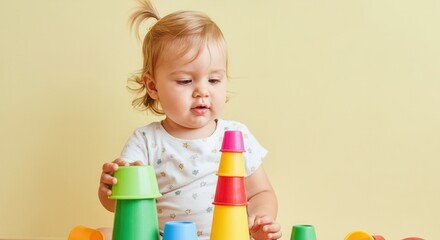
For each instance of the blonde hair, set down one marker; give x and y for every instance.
(184, 29)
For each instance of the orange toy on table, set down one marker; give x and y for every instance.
(85, 233)
(362, 235)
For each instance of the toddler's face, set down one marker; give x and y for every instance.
(192, 89)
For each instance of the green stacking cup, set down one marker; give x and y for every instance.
(135, 182)
(303, 232)
(136, 220)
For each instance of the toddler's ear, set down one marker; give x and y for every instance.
(150, 85)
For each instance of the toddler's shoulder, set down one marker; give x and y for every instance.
(149, 131)
(151, 127)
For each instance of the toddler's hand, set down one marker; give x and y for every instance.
(264, 227)
(107, 180)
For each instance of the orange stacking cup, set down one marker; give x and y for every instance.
(230, 191)
(230, 222)
(85, 233)
(231, 164)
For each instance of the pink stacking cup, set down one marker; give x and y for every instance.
(378, 237)
(232, 141)
(230, 191)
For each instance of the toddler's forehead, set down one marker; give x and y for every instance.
(188, 51)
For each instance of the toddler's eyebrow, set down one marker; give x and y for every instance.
(177, 72)
(221, 71)
(214, 71)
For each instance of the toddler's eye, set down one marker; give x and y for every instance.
(213, 81)
(184, 82)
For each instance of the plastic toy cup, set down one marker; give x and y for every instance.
(230, 222)
(359, 235)
(232, 141)
(231, 164)
(379, 237)
(136, 219)
(179, 231)
(303, 232)
(135, 182)
(85, 233)
(230, 191)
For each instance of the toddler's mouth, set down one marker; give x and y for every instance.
(201, 107)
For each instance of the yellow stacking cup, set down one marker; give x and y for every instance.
(232, 165)
(230, 222)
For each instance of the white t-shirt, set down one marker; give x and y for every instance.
(186, 169)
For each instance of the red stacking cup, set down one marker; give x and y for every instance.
(232, 141)
(230, 191)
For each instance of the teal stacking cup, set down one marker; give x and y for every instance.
(179, 231)
(303, 232)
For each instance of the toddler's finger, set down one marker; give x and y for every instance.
(109, 168)
(251, 222)
(121, 162)
(276, 235)
(272, 228)
(108, 179)
(137, 163)
(105, 189)
(264, 220)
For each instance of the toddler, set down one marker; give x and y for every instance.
(184, 78)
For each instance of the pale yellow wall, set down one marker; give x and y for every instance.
(344, 94)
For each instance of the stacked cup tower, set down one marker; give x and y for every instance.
(230, 219)
(135, 194)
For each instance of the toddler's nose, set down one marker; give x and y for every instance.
(200, 91)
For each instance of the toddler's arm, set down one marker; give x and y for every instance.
(263, 207)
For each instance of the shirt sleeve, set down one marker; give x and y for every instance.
(254, 152)
(136, 148)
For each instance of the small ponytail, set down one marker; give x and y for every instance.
(144, 11)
